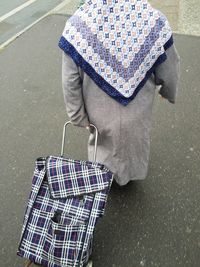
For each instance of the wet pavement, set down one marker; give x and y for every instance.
(152, 223)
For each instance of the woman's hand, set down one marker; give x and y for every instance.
(88, 127)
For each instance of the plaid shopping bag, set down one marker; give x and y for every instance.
(67, 198)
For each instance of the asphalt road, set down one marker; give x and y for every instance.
(7, 6)
(16, 15)
(152, 223)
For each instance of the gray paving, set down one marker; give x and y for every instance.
(151, 223)
(182, 14)
(7, 6)
(25, 17)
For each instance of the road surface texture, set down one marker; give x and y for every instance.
(152, 223)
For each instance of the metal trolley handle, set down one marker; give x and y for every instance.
(64, 134)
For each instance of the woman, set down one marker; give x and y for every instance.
(115, 52)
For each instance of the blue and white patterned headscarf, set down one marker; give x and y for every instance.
(118, 43)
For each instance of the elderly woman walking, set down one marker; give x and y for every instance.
(115, 52)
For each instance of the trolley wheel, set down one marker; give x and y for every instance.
(89, 264)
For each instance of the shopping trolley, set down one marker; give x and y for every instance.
(67, 198)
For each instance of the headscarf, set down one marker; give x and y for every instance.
(118, 43)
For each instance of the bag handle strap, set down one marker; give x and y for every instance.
(64, 134)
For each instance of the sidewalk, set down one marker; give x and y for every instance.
(151, 223)
(170, 8)
(182, 14)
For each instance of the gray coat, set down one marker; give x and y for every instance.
(124, 141)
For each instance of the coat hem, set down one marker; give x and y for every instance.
(129, 180)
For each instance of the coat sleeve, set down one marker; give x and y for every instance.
(167, 75)
(72, 90)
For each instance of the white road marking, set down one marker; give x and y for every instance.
(17, 9)
(52, 11)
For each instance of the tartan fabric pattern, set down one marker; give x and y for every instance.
(67, 240)
(118, 43)
(67, 178)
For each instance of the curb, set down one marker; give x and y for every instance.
(59, 9)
